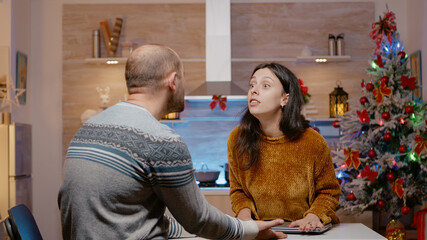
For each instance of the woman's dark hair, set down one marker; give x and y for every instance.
(292, 123)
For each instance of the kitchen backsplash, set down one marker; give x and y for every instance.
(206, 131)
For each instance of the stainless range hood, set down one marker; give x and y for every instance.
(219, 88)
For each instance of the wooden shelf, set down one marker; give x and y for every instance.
(322, 59)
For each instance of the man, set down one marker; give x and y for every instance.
(123, 167)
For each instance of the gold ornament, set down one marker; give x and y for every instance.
(395, 230)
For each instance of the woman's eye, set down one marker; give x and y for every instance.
(266, 85)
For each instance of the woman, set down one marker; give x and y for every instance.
(279, 166)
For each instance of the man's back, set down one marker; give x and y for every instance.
(111, 164)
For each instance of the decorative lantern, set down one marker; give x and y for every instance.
(338, 102)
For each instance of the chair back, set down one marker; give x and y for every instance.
(21, 225)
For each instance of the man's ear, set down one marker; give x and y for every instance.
(172, 81)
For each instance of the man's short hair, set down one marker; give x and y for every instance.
(151, 64)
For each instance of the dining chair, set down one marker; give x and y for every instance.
(21, 225)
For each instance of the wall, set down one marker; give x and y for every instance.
(46, 74)
(46, 110)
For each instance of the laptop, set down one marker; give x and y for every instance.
(286, 229)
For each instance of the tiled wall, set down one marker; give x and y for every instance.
(206, 131)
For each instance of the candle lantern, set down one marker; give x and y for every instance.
(338, 102)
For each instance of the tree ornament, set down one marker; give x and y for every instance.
(339, 180)
(407, 82)
(402, 55)
(380, 204)
(421, 144)
(370, 87)
(363, 100)
(387, 137)
(351, 197)
(351, 157)
(372, 153)
(397, 187)
(405, 210)
(384, 79)
(379, 61)
(383, 28)
(362, 84)
(382, 91)
(363, 116)
(336, 124)
(409, 109)
(372, 175)
(402, 148)
(385, 116)
(395, 230)
(390, 177)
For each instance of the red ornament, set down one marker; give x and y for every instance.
(384, 79)
(370, 87)
(402, 55)
(387, 137)
(409, 109)
(402, 149)
(339, 180)
(390, 177)
(372, 153)
(418, 138)
(362, 84)
(336, 124)
(405, 210)
(363, 100)
(351, 196)
(385, 116)
(380, 204)
(316, 129)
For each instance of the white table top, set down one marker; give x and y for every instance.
(345, 231)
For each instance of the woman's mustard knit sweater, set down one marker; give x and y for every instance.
(290, 180)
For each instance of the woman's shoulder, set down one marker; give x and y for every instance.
(312, 137)
(234, 133)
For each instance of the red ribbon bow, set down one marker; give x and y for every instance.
(383, 90)
(220, 100)
(368, 173)
(397, 187)
(363, 116)
(410, 82)
(379, 61)
(352, 157)
(421, 144)
(385, 27)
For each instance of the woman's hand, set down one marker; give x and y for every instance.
(309, 223)
(245, 214)
(265, 231)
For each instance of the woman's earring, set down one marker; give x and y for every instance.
(283, 105)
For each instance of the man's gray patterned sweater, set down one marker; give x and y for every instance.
(123, 167)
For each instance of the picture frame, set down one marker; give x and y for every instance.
(415, 65)
(21, 75)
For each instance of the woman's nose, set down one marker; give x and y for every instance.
(254, 90)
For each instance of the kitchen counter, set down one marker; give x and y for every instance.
(345, 231)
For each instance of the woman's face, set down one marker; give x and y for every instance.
(266, 94)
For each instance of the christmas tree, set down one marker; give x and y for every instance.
(382, 161)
